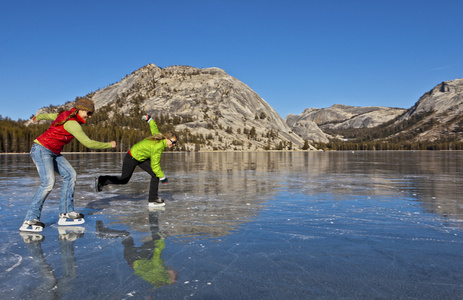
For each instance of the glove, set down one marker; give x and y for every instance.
(164, 180)
(146, 118)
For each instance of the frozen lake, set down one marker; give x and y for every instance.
(278, 225)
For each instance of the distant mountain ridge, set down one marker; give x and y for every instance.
(226, 114)
(312, 122)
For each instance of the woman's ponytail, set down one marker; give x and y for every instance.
(73, 114)
(159, 137)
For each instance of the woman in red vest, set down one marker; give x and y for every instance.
(46, 154)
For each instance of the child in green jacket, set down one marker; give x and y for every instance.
(147, 155)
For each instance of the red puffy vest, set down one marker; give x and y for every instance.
(56, 137)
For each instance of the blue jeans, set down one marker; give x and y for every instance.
(47, 163)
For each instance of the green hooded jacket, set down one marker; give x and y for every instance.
(152, 150)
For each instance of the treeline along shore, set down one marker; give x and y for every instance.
(16, 137)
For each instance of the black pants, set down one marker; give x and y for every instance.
(128, 166)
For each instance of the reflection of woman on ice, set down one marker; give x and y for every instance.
(46, 154)
(147, 155)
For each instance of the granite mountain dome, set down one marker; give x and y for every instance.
(223, 111)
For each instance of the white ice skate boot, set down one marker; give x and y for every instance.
(32, 226)
(71, 218)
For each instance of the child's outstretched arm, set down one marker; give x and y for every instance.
(153, 127)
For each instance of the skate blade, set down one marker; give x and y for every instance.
(31, 228)
(31, 237)
(70, 233)
(95, 187)
(71, 229)
(70, 222)
(156, 208)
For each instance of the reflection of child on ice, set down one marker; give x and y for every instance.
(147, 155)
(146, 260)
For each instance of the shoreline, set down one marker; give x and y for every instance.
(244, 151)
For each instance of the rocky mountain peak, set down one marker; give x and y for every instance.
(438, 114)
(448, 94)
(209, 102)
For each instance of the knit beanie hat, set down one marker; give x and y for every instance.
(85, 104)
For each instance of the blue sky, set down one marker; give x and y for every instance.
(295, 54)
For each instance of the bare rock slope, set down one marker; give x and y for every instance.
(312, 122)
(207, 102)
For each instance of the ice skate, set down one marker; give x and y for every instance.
(156, 203)
(98, 186)
(31, 237)
(32, 226)
(72, 218)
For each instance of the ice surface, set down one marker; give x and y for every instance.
(279, 225)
